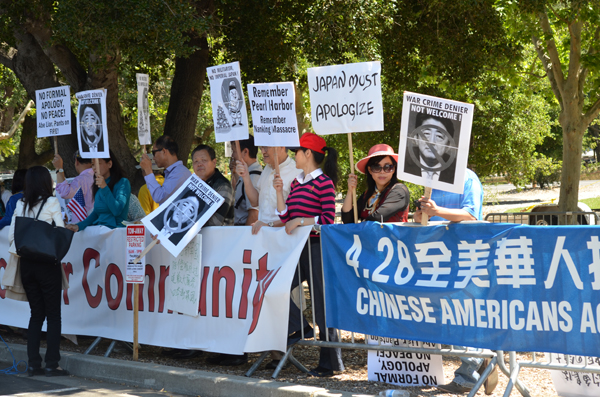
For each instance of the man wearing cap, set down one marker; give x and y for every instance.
(164, 151)
(84, 180)
(433, 154)
(456, 208)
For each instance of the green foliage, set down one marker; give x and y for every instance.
(547, 171)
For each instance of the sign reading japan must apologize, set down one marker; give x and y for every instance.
(274, 114)
(346, 98)
(497, 286)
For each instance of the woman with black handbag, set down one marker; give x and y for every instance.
(42, 279)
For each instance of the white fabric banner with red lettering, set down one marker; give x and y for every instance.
(244, 290)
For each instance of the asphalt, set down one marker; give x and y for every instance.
(171, 379)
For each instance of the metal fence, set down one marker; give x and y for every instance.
(553, 218)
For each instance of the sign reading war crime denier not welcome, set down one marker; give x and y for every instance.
(346, 98)
(273, 110)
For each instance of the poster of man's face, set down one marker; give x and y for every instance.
(434, 142)
(92, 134)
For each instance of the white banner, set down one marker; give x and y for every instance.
(183, 289)
(244, 298)
(230, 117)
(434, 141)
(92, 130)
(346, 98)
(143, 111)
(273, 107)
(178, 220)
(53, 111)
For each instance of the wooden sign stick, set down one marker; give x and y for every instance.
(424, 216)
(276, 162)
(146, 250)
(350, 151)
(136, 311)
(55, 145)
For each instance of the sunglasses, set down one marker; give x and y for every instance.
(157, 150)
(376, 168)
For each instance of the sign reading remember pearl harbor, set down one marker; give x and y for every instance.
(273, 109)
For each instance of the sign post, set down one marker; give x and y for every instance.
(134, 273)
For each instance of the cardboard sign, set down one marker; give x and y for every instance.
(403, 368)
(92, 133)
(179, 219)
(53, 111)
(183, 288)
(136, 241)
(574, 383)
(434, 141)
(346, 98)
(143, 83)
(273, 107)
(228, 104)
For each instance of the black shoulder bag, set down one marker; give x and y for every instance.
(39, 241)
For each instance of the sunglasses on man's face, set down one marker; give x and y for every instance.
(156, 150)
(376, 168)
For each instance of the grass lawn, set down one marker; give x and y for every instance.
(593, 203)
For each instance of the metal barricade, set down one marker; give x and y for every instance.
(552, 218)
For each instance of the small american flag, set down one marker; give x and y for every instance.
(77, 206)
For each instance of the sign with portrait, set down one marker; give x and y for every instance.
(143, 83)
(92, 132)
(346, 98)
(179, 219)
(228, 104)
(434, 142)
(273, 107)
(53, 111)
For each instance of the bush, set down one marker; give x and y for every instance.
(547, 171)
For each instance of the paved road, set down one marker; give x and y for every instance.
(22, 385)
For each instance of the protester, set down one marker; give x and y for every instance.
(17, 193)
(204, 161)
(111, 196)
(149, 205)
(312, 200)
(164, 153)
(6, 192)
(456, 208)
(42, 281)
(243, 211)
(264, 197)
(84, 180)
(386, 199)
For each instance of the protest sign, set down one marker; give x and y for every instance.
(53, 111)
(181, 217)
(434, 141)
(230, 117)
(404, 368)
(346, 98)
(91, 124)
(136, 241)
(183, 286)
(273, 107)
(143, 111)
(574, 383)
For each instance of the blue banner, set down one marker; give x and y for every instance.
(497, 286)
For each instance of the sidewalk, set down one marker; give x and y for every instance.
(171, 379)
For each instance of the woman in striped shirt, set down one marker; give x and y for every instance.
(312, 201)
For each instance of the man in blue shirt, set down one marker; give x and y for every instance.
(454, 207)
(164, 151)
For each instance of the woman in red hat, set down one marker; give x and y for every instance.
(386, 199)
(312, 200)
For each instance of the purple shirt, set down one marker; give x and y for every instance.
(175, 175)
(85, 180)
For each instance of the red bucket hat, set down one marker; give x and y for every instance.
(312, 141)
(381, 149)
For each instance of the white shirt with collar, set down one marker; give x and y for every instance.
(267, 196)
(433, 175)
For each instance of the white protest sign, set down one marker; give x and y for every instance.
(574, 383)
(143, 82)
(228, 105)
(183, 288)
(53, 111)
(346, 98)
(136, 241)
(273, 107)
(92, 133)
(180, 218)
(434, 141)
(403, 368)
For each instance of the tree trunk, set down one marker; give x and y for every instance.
(28, 157)
(571, 168)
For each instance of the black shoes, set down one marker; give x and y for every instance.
(56, 371)
(455, 388)
(321, 372)
(31, 371)
(296, 336)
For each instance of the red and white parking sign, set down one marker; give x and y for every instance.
(136, 242)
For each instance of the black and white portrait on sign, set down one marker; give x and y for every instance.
(92, 134)
(232, 97)
(434, 141)
(179, 219)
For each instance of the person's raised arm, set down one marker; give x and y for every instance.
(251, 193)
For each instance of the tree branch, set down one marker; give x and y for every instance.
(591, 51)
(6, 57)
(551, 77)
(591, 114)
(554, 65)
(575, 78)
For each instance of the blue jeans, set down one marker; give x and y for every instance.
(466, 375)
